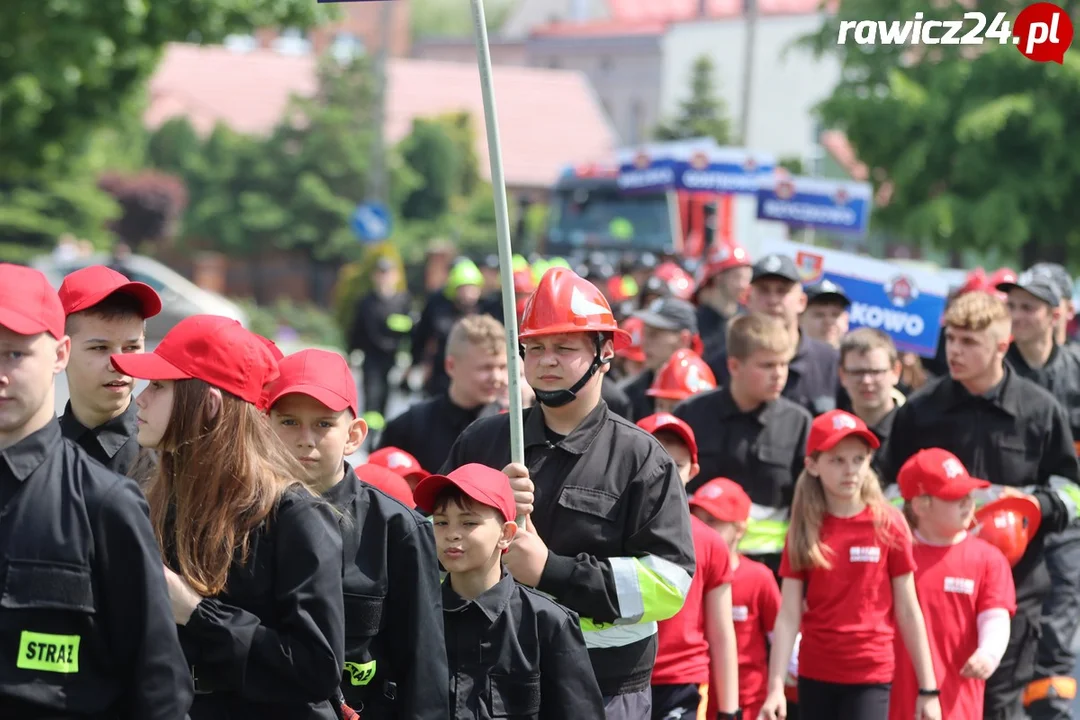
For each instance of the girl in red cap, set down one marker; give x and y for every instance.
(252, 559)
(965, 587)
(847, 570)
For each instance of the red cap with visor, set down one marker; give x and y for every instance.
(28, 303)
(485, 485)
(319, 374)
(830, 428)
(88, 286)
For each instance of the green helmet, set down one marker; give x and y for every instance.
(462, 274)
(559, 262)
(538, 269)
(519, 263)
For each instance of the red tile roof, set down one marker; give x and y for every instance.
(600, 28)
(547, 118)
(679, 10)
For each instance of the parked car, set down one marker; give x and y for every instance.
(180, 298)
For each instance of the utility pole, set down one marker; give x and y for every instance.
(750, 17)
(380, 183)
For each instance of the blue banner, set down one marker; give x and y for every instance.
(904, 302)
(836, 205)
(694, 166)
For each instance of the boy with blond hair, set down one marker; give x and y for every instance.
(1014, 434)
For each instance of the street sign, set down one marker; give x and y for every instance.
(371, 222)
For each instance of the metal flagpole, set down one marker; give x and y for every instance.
(502, 226)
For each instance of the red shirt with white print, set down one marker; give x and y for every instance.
(847, 622)
(683, 653)
(755, 603)
(955, 584)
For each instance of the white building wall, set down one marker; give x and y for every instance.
(786, 85)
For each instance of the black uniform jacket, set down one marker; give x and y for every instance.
(395, 660)
(114, 444)
(371, 331)
(813, 375)
(86, 628)
(762, 450)
(428, 429)
(641, 405)
(1016, 435)
(516, 654)
(1060, 376)
(606, 490)
(271, 646)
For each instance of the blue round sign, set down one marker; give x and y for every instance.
(371, 222)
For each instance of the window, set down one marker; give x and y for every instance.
(554, 63)
(347, 46)
(292, 42)
(241, 43)
(605, 64)
(637, 122)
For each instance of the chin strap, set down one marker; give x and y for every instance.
(558, 398)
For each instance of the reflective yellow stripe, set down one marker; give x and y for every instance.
(608, 636)
(648, 588)
(765, 531)
(399, 323)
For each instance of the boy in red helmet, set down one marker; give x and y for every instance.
(608, 528)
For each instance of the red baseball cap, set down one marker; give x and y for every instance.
(28, 303)
(388, 481)
(272, 347)
(320, 374)
(398, 460)
(937, 473)
(832, 427)
(669, 423)
(88, 286)
(485, 485)
(214, 349)
(724, 499)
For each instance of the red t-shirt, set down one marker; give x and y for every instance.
(683, 653)
(755, 603)
(955, 584)
(847, 623)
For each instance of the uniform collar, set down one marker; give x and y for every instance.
(728, 408)
(26, 456)
(491, 603)
(342, 493)
(1013, 357)
(111, 435)
(578, 441)
(1002, 395)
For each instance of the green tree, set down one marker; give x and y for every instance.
(431, 152)
(72, 67)
(703, 113)
(974, 140)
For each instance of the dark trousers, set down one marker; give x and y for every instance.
(1061, 616)
(835, 701)
(376, 368)
(631, 706)
(1004, 698)
(675, 702)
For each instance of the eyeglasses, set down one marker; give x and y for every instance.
(860, 373)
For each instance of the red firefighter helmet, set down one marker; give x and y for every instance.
(567, 303)
(1009, 523)
(633, 352)
(724, 256)
(683, 375)
(975, 281)
(680, 283)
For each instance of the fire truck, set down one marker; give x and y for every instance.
(591, 213)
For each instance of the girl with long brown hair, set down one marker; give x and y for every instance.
(252, 558)
(848, 583)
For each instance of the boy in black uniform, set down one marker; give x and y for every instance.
(86, 628)
(1035, 305)
(512, 652)
(395, 666)
(751, 434)
(106, 314)
(670, 324)
(476, 365)
(1014, 434)
(609, 526)
(776, 290)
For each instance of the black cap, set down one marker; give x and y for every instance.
(827, 291)
(779, 266)
(1058, 274)
(1039, 284)
(383, 264)
(490, 262)
(669, 314)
